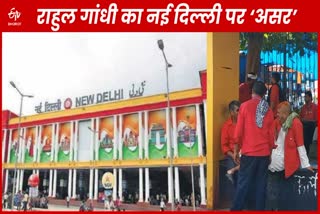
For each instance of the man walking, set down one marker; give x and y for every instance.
(68, 201)
(255, 131)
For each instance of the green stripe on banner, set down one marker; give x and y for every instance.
(186, 151)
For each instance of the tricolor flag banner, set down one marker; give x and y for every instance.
(163, 105)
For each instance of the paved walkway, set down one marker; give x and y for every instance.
(127, 207)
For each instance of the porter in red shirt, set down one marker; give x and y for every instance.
(255, 141)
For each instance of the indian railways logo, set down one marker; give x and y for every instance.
(68, 103)
(14, 15)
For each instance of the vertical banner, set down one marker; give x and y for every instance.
(157, 134)
(45, 144)
(64, 142)
(187, 134)
(30, 145)
(14, 146)
(130, 136)
(106, 138)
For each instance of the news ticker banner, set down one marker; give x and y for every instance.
(156, 16)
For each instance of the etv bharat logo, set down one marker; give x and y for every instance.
(15, 15)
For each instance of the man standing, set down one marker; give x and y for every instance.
(309, 117)
(274, 93)
(289, 155)
(309, 110)
(68, 201)
(25, 201)
(162, 205)
(255, 130)
(245, 89)
(5, 201)
(227, 137)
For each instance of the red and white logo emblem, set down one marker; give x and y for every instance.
(14, 14)
(68, 103)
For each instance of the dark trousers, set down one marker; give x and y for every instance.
(308, 131)
(25, 205)
(280, 192)
(252, 182)
(229, 164)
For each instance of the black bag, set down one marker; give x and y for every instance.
(282, 96)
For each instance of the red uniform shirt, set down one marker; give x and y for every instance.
(275, 97)
(227, 136)
(309, 112)
(245, 93)
(293, 139)
(255, 141)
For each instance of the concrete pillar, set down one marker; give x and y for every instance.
(54, 191)
(4, 145)
(146, 136)
(35, 146)
(96, 184)
(205, 118)
(147, 186)
(10, 145)
(71, 142)
(92, 140)
(75, 143)
(74, 184)
(202, 186)
(140, 136)
(120, 184)
(91, 184)
(140, 185)
(170, 156)
(170, 185)
(115, 137)
(21, 179)
(53, 142)
(120, 139)
(17, 183)
(21, 145)
(24, 141)
(199, 131)
(168, 132)
(69, 182)
(50, 183)
(39, 142)
(222, 64)
(96, 144)
(177, 183)
(115, 182)
(6, 181)
(174, 131)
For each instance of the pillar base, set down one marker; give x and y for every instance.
(203, 206)
(142, 203)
